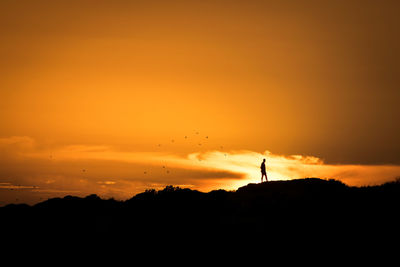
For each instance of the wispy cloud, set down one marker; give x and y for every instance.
(16, 187)
(106, 171)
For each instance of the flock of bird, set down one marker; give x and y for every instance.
(165, 169)
(186, 137)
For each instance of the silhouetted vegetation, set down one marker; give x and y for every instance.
(300, 209)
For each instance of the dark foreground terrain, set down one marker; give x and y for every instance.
(282, 213)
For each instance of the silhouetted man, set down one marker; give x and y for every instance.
(263, 171)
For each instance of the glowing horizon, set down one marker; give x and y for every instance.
(98, 96)
(109, 172)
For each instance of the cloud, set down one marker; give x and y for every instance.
(14, 145)
(109, 172)
(106, 182)
(16, 187)
(17, 141)
(281, 167)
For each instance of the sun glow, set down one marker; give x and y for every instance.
(109, 171)
(122, 96)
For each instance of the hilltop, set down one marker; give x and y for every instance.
(302, 208)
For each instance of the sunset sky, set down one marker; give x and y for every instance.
(115, 97)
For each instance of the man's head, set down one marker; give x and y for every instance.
(263, 160)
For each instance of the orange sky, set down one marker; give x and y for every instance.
(131, 79)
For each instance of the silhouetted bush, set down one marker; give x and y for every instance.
(298, 209)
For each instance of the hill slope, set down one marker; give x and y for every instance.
(303, 208)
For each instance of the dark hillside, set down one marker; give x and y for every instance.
(303, 209)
